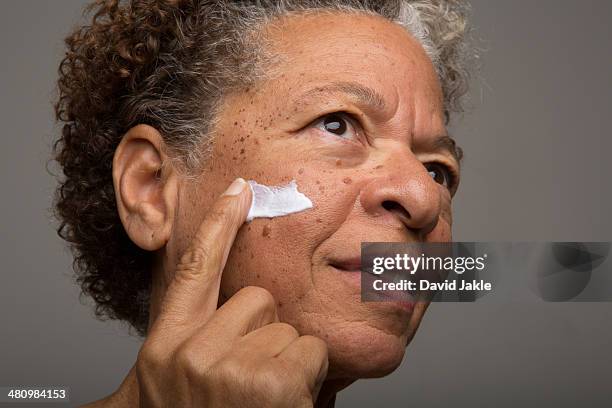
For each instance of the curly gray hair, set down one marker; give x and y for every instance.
(169, 63)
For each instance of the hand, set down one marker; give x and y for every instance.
(239, 355)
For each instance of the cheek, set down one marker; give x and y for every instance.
(270, 254)
(443, 230)
(278, 253)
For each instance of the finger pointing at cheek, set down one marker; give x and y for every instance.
(195, 353)
(193, 294)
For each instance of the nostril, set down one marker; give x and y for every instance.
(396, 208)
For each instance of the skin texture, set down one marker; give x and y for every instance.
(373, 183)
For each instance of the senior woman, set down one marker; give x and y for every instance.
(165, 103)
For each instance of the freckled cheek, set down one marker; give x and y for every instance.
(333, 192)
(241, 137)
(275, 253)
(266, 255)
(260, 258)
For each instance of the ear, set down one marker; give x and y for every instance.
(145, 188)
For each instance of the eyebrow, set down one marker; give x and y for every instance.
(363, 94)
(449, 144)
(370, 97)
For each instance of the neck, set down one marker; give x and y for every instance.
(329, 389)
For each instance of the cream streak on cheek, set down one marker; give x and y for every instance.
(277, 201)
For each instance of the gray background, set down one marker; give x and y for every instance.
(537, 168)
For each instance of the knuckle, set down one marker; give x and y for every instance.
(275, 382)
(192, 259)
(204, 250)
(189, 359)
(271, 384)
(317, 344)
(229, 371)
(150, 357)
(286, 330)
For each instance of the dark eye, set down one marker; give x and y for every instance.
(441, 174)
(338, 124)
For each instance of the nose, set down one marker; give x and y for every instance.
(412, 197)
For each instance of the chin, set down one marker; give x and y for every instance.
(364, 353)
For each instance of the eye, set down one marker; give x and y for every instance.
(441, 174)
(339, 124)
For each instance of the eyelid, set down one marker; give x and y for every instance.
(454, 175)
(452, 168)
(351, 118)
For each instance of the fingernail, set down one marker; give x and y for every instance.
(235, 188)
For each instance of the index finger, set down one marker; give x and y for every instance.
(193, 293)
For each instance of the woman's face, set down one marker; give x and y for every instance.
(354, 114)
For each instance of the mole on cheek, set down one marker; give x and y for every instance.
(266, 231)
(347, 180)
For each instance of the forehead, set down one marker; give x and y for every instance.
(334, 46)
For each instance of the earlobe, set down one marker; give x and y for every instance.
(145, 187)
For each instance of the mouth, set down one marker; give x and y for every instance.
(352, 265)
(347, 265)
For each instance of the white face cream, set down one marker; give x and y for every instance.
(270, 202)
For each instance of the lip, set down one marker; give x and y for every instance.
(350, 269)
(347, 265)
(351, 276)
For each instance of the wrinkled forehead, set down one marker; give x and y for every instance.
(338, 45)
(332, 47)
